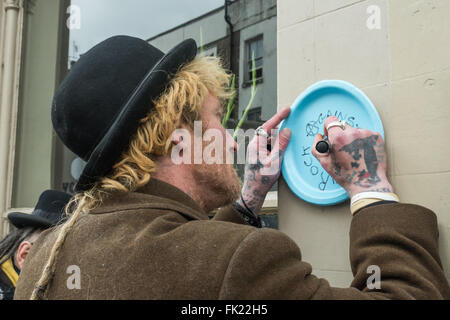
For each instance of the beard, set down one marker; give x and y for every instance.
(220, 184)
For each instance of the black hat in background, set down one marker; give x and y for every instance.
(98, 106)
(47, 213)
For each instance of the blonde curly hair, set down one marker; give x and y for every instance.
(181, 102)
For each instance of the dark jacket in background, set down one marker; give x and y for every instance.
(8, 279)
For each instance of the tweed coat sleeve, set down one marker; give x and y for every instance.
(401, 239)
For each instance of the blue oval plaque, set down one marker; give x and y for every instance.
(301, 170)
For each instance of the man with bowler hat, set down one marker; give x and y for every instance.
(15, 247)
(139, 228)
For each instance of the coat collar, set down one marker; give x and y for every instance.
(155, 194)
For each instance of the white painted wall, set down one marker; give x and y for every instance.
(213, 27)
(404, 68)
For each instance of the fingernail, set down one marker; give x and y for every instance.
(287, 132)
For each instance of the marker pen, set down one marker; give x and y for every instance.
(323, 146)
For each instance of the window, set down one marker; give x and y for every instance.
(254, 46)
(210, 52)
(254, 114)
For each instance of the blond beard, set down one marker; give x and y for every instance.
(219, 185)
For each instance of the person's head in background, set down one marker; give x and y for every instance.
(48, 212)
(17, 244)
(15, 247)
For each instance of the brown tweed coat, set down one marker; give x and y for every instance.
(158, 244)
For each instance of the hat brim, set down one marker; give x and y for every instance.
(117, 138)
(23, 220)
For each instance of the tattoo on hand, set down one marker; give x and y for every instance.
(265, 180)
(355, 165)
(257, 166)
(337, 167)
(257, 193)
(367, 178)
(252, 169)
(380, 190)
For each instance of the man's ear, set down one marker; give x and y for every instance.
(181, 137)
(22, 253)
(177, 139)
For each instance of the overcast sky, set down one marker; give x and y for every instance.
(101, 19)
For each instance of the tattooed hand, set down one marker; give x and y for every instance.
(356, 160)
(262, 167)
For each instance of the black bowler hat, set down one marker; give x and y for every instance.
(97, 108)
(47, 213)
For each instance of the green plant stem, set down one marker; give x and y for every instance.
(252, 97)
(201, 40)
(230, 105)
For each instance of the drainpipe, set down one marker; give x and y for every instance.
(234, 114)
(11, 8)
(227, 19)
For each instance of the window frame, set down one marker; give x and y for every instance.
(254, 110)
(212, 50)
(248, 59)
